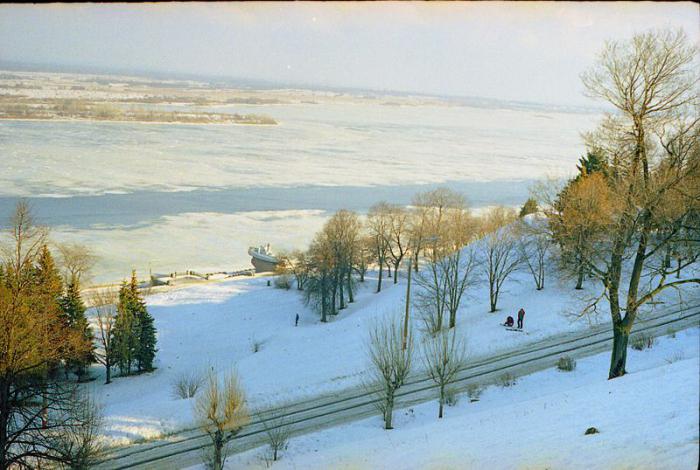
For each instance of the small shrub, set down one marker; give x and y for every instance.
(566, 363)
(591, 430)
(186, 385)
(675, 357)
(283, 282)
(642, 341)
(474, 392)
(671, 333)
(507, 380)
(451, 396)
(256, 345)
(277, 434)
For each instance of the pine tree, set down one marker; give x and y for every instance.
(134, 333)
(74, 309)
(47, 276)
(146, 350)
(530, 207)
(124, 331)
(49, 289)
(591, 163)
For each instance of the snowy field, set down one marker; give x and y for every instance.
(217, 325)
(647, 419)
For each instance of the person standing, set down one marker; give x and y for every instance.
(296, 320)
(521, 317)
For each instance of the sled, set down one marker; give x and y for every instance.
(515, 329)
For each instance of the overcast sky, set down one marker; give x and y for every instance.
(517, 51)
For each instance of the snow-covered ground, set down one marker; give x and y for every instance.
(217, 325)
(647, 419)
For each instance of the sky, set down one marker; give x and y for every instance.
(514, 51)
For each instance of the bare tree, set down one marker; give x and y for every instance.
(398, 242)
(104, 303)
(80, 441)
(320, 283)
(391, 364)
(299, 266)
(77, 262)
(363, 255)
(379, 231)
(221, 412)
(652, 188)
(534, 243)
(443, 284)
(429, 232)
(277, 432)
(443, 357)
(499, 250)
(28, 239)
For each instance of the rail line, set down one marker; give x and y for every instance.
(358, 402)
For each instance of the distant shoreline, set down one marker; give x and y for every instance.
(126, 121)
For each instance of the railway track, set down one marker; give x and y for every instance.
(184, 449)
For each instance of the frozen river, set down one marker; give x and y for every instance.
(165, 197)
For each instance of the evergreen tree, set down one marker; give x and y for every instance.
(124, 331)
(591, 163)
(47, 276)
(48, 286)
(74, 309)
(530, 207)
(134, 333)
(146, 350)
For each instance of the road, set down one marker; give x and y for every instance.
(184, 449)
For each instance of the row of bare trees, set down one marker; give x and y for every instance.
(391, 355)
(432, 233)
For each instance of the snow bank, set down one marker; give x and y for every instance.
(647, 419)
(216, 325)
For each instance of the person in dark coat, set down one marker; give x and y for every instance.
(296, 320)
(521, 317)
(509, 322)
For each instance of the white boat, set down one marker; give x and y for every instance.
(263, 258)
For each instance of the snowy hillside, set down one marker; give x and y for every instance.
(219, 325)
(646, 419)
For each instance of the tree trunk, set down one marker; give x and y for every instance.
(493, 297)
(442, 400)
(108, 369)
(415, 262)
(388, 413)
(218, 447)
(351, 298)
(396, 271)
(4, 420)
(340, 291)
(618, 358)
(333, 295)
(379, 280)
(579, 279)
(388, 270)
